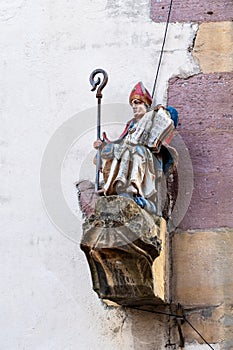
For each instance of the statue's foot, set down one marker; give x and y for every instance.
(149, 206)
(141, 201)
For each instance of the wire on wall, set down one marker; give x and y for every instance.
(162, 49)
(178, 317)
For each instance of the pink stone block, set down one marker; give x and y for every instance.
(205, 105)
(192, 11)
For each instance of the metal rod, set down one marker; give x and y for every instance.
(94, 84)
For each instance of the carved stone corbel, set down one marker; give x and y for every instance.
(126, 251)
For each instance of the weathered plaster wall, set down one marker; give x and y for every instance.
(48, 50)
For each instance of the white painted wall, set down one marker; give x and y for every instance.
(48, 50)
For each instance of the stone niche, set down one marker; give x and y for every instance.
(127, 252)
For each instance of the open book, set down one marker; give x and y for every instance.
(153, 128)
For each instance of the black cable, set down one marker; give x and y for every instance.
(158, 312)
(183, 317)
(161, 53)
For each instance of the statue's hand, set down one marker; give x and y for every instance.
(157, 107)
(98, 144)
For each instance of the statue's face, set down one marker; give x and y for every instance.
(139, 108)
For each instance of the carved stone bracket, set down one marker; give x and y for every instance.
(125, 248)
